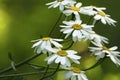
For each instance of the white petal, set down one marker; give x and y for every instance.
(74, 34)
(103, 20)
(51, 58)
(68, 75)
(58, 39)
(58, 59)
(48, 43)
(51, 3)
(73, 56)
(56, 44)
(63, 60)
(84, 77)
(69, 23)
(115, 60)
(78, 5)
(61, 7)
(68, 30)
(37, 43)
(56, 5)
(67, 62)
(97, 17)
(79, 77)
(73, 78)
(43, 45)
(68, 34)
(38, 49)
(71, 51)
(75, 61)
(113, 48)
(68, 12)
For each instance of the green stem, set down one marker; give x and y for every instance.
(25, 74)
(69, 46)
(52, 73)
(21, 63)
(47, 68)
(55, 24)
(89, 20)
(38, 66)
(20, 74)
(96, 64)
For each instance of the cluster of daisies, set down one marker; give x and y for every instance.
(78, 30)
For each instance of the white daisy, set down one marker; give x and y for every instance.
(105, 18)
(41, 44)
(62, 57)
(101, 50)
(76, 9)
(77, 29)
(60, 3)
(96, 38)
(75, 73)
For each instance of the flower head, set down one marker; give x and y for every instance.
(74, 73)
(77, 29)
(76, 9)
(60, 3)
(41, 44)
(101, 50)
(96, 38)
(100, 15)
(62, 57)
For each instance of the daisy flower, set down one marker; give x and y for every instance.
(41, 44)
(76, 9)
(105, 18)
(62, 57)
(77, 29)
(101, 50)
(60, 3)
(96, 38)
(75, 73)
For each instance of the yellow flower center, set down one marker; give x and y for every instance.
(105, 48)
(75, 8)
(77, 26)
(102, 13)
(62, 53)
(75, 70)
(46, 38)
(60, 0)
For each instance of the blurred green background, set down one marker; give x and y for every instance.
(24, 20)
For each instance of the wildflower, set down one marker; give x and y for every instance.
(77, 29)
(41, 44)
(105, 18)
(60, 3)
(75, 73)
(62, 57)
(76, 9)
(96, 38)
(101, 50)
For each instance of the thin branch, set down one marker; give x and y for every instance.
(69, 46)
(21, 63)
(47, 68)
(96, 64)
(52, 73)
(55, 24)
(26, 74)
(20, 74)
